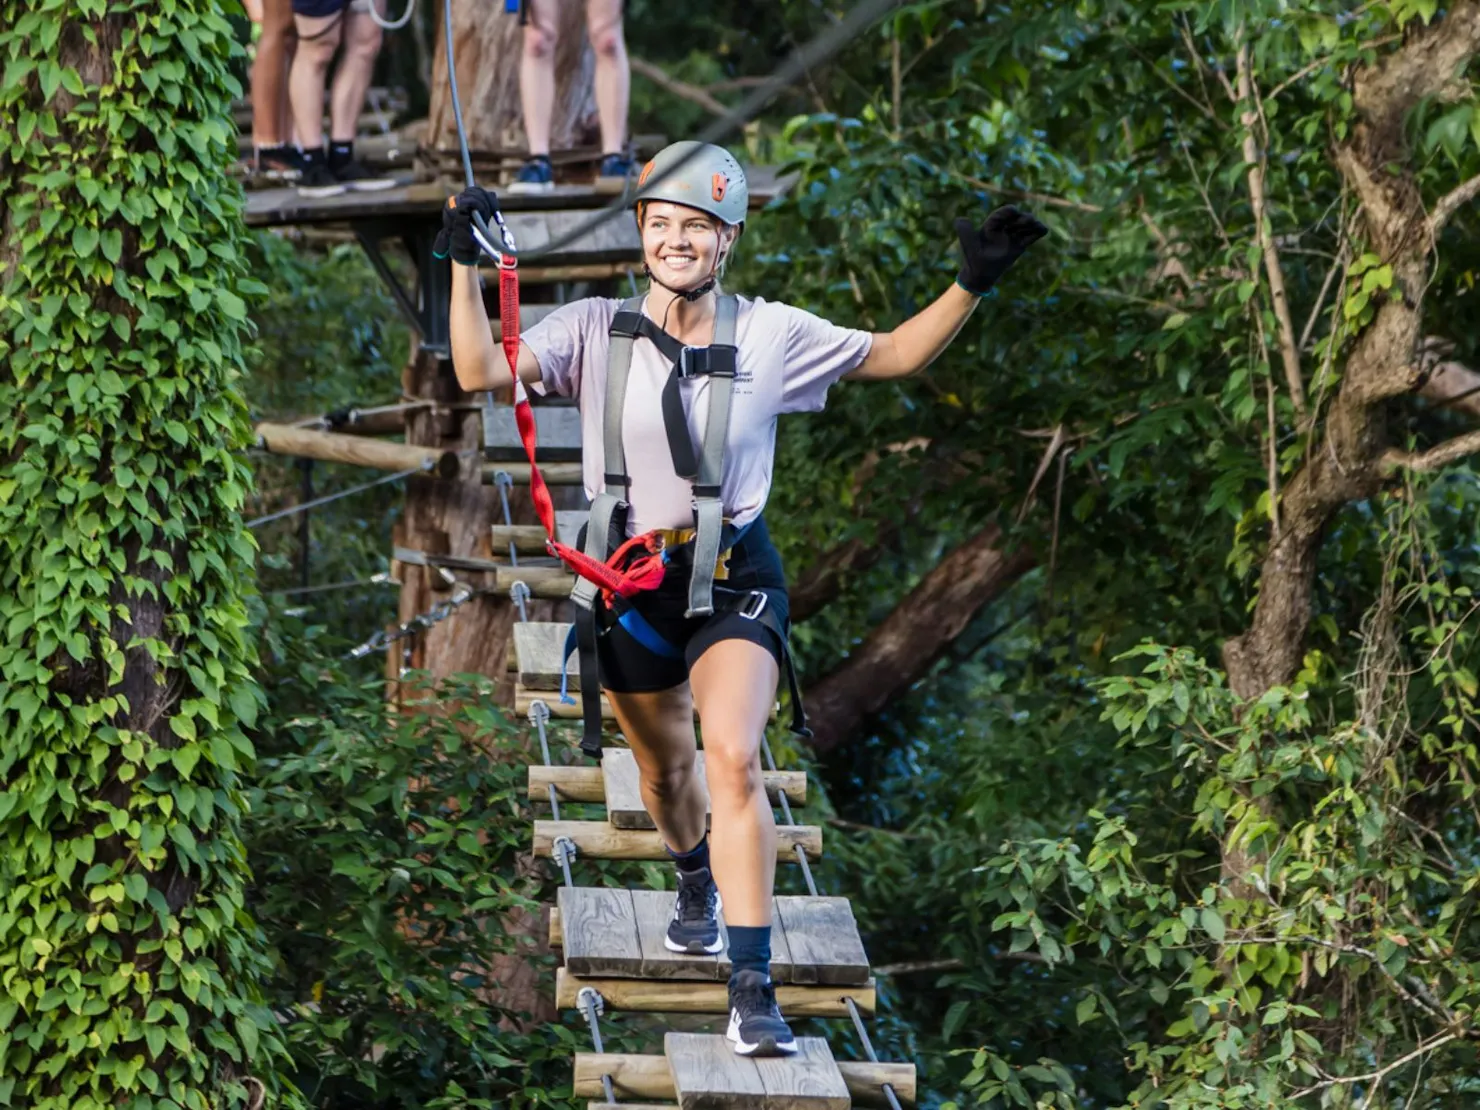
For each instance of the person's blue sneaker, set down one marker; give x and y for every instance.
(756, 1025)
(694, 929)
(535, 176)
(615, 169)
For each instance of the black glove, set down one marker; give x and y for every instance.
(989, 251)
(456, 237)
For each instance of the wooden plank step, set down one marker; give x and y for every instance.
(619, 933)
(624, 806)
(647, 1076)
(599, 840)
(689, 996)
(557, 428)
(708, 1075)
(539, 649)
(524, 698)
(588, 784)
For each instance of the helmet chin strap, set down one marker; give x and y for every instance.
(690, 295)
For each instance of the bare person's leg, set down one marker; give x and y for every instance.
(537, 73)
(270, 74)
(362, 39)
(613, 78)
(318, 39)
(734, 685)
(660, 729)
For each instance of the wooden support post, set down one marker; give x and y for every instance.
(306, 443)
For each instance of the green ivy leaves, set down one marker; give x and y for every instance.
(127, 964)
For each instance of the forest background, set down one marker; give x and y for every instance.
(1141, 628)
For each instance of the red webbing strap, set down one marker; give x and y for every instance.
(645, 573)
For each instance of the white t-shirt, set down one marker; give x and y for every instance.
(787, 359)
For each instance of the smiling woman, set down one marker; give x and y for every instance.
(716, 370)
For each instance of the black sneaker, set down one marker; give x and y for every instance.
(279, 163)
(535, 176)
(756, 1025)
(694, 929)
(614, 168)
(355, 175)
(318, 180)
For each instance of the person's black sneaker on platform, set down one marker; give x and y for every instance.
(354, 174)
(756, 1025)
(318, 180)
(278, 163)
(694, 930)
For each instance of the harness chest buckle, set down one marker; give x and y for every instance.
(692, 362)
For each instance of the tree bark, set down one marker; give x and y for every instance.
(490, 44)
(903, 648)
(1385, 360)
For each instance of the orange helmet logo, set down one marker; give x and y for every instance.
(647, 172)
(719, 185)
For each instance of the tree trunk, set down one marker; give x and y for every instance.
(490, 43)
(126, 669)
(903, 648)
(1346, 462)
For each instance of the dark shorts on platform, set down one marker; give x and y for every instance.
(318, 9)
(627, 666)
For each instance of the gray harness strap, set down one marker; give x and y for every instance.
(709, 510)
(708, 505)
(606, 503)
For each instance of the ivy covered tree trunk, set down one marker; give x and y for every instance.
(127, 960)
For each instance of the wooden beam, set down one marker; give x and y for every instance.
(572, 784)
(528, 539)
(552, 583)
(306, 443)
(598, 840)
(587, 784)
(555, 473)
(637, 1075)
(700, 996)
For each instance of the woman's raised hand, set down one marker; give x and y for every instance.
(989, 251)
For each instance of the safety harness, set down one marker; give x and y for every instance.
(611, 569)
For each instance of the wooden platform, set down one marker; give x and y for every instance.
(708, 1075)
(686, 996)
(610, 931)
(599, 840)
(648, 1076)
(424, 200)
(623, 795)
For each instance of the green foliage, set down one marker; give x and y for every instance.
(128, 960)
(1146, 327)
(385, 850)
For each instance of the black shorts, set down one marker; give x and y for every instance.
(318, 9)
(626, 666)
